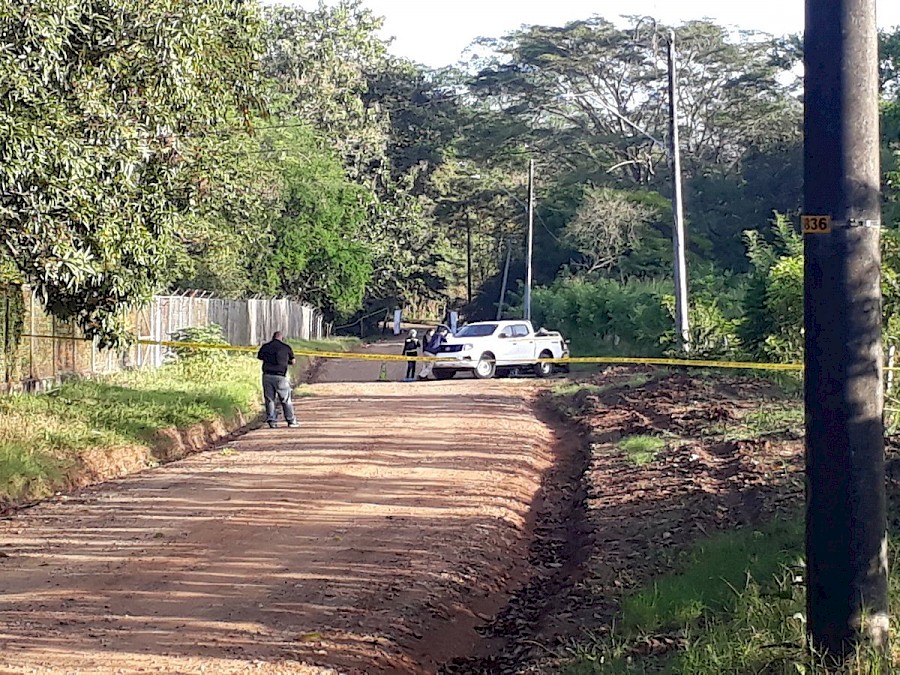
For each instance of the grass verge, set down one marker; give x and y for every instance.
(731, 606)
(340, 344)
(44, 439)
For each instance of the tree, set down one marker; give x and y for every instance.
(231, 225)
(773, 303)
(319, 63)
(106, 105)
(317, 253)
(889, 62)
(607, 226)
(588, 90)
(331, 71)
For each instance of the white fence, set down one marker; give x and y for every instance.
(243, 322)
(42, 351)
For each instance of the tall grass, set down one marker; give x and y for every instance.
(732, 606)
(43, 436)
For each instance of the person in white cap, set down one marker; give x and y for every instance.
(411, 348)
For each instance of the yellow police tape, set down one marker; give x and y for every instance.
(694, 363)
(601, 360)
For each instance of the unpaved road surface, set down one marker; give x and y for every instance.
(376, 538)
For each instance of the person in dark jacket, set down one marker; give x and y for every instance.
(426, 339)
(431, 349)
(411, 348)
(276, 357)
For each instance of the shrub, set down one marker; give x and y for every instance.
(773, 304)
(633, 318)
(711, 335)
(211, 335)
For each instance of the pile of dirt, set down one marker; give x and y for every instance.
(615, 524)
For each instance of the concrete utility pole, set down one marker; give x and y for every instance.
(529, 241)
(503, 284)
(846, 540)
(468, 259)
(682, 328)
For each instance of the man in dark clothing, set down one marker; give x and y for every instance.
(276, 357)
(411, 348)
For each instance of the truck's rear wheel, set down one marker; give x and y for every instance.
(443, 373)
(544, 369)
(486, 367)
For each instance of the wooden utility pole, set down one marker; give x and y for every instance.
(529, 241)
(846, 540)
(682, 328)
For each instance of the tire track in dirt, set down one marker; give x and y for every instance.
(376, 538)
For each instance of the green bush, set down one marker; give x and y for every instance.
(773, 304)
(211, 335)
(711, 335)
(606, 317)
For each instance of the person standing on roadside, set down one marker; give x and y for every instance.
(431, 349)
(411, 348)
(276, 356)
(426, 339)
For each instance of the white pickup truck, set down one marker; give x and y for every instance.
(487, 348)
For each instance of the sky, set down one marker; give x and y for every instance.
(436, 32)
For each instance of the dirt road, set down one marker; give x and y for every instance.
(376, 538)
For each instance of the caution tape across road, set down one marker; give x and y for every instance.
(596, 360)
(608, 360)
(611, 360)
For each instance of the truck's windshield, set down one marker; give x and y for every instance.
(477, 330)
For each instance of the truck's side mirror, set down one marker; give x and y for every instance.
(503, 336)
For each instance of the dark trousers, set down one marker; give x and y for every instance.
(410, 370)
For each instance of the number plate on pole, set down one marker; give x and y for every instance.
(816, 224)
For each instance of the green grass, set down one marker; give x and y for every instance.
(634, 382)
(42, 436)
(641, 449)
(572, 388)
(772, 417)
(710, 574)
(731, 605)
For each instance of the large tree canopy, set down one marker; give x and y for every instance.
(598, 91)
(105, 107)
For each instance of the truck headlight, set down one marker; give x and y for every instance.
(468, 347)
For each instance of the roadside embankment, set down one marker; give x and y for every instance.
(676, 546)
(89, 431)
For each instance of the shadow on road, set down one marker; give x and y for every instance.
(379, 535)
